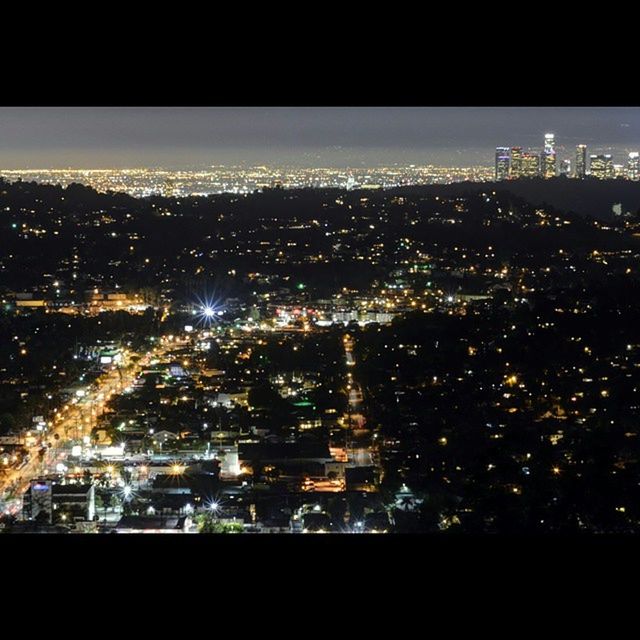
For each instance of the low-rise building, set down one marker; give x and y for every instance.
(153, 524)
(57, 503)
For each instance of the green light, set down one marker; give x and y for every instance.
(301, 285)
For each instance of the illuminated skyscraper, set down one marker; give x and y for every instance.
(602, 166)
(581, 161)
(633, 166)
(565, 168)
(530, 165)
(516, 162)
(502, 163)
(549, 156)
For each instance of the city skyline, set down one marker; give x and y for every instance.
(125, 137)
(548, 160)
(514, 162)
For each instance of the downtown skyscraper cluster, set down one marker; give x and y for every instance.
(514, 162)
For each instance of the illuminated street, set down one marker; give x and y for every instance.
(72, 424)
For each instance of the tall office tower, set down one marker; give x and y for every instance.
(516, 162)
(602, 166)
(502, 163)
(549, 156)
(633, 166)
(565, 168)
(619, 171)
(530, 165)
(581, 161)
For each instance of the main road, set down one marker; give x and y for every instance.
(359, 455)
(71, 423)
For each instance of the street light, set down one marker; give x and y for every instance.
(214, 508)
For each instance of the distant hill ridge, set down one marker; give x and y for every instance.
(590, 198)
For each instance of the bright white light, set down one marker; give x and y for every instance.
(209, 309)
(127, 491)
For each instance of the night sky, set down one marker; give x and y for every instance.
(92, 137)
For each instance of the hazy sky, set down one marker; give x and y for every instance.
(95, 137)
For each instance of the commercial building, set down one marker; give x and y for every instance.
(503, 162)
(581, 161)
(153, 524)
(524, 164)
(362, 478)
(633, 166)
(50, 502)
(104, 301)
(601, 166)
(515, 170)
(111, 354)
(549, 156)
(531, 165)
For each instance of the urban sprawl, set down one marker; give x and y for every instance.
(444, 357)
